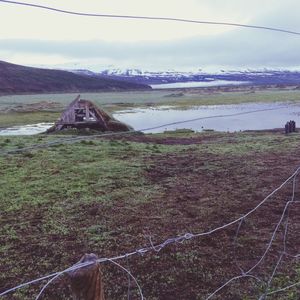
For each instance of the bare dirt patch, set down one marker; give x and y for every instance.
(169, 185)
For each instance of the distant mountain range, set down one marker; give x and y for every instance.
(253, 77)
(16, 79)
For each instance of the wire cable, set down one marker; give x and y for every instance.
(108, 134)
(151, 18)
(156, 248)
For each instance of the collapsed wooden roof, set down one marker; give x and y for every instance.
(83, 114)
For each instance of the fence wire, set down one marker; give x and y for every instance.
(284, 219)
(75, 139)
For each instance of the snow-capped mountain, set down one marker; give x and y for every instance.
(123, 72)
(260, 76)
(139, 72)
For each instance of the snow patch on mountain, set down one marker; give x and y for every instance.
(261, 76)
(198, 71)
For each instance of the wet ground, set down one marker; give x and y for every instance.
(110, 196)
(226, 118)
(26, 129)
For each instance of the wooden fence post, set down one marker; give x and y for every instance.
(86, 282)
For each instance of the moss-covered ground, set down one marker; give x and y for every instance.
(108, 196)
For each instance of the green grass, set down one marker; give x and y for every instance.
(108, 196)
(245, 144)
(113, 101)
(14, 119)
(265, 96)
(85, 169)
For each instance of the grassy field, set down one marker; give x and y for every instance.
(107, 196)
(30, 109)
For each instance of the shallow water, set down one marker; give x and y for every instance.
(276, 116)
(191, 84)
(26, 129)
(216, 117)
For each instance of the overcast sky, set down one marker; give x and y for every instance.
(32, 36)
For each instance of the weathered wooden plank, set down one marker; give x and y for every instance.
(84, 114)
(86, 282)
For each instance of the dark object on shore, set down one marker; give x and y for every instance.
(290, 127)
(83, 114)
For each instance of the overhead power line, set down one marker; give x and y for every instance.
(151, 18)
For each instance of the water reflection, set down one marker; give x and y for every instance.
(151, 117)
(140, 118)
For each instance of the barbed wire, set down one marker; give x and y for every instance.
(108, 134)
(150, 18)
(130, 276)
(285, 212)
(284, 242)
(284, 289)
(247, 274)
(185, 237)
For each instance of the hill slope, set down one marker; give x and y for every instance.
(16, 79)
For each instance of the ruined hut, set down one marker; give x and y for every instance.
(83, 114)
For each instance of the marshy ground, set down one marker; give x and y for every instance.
(32, 109)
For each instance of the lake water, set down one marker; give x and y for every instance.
(217, 117)
(194, 84)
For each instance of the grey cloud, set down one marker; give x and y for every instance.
(237, 48)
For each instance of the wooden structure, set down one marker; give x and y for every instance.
(86, 282)
(83, 114)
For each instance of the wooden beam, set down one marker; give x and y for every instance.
(86, 282)
(87, 112)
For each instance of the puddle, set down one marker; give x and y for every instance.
(216, 117)
(26, 129)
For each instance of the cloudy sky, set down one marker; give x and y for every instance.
(32, 36)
